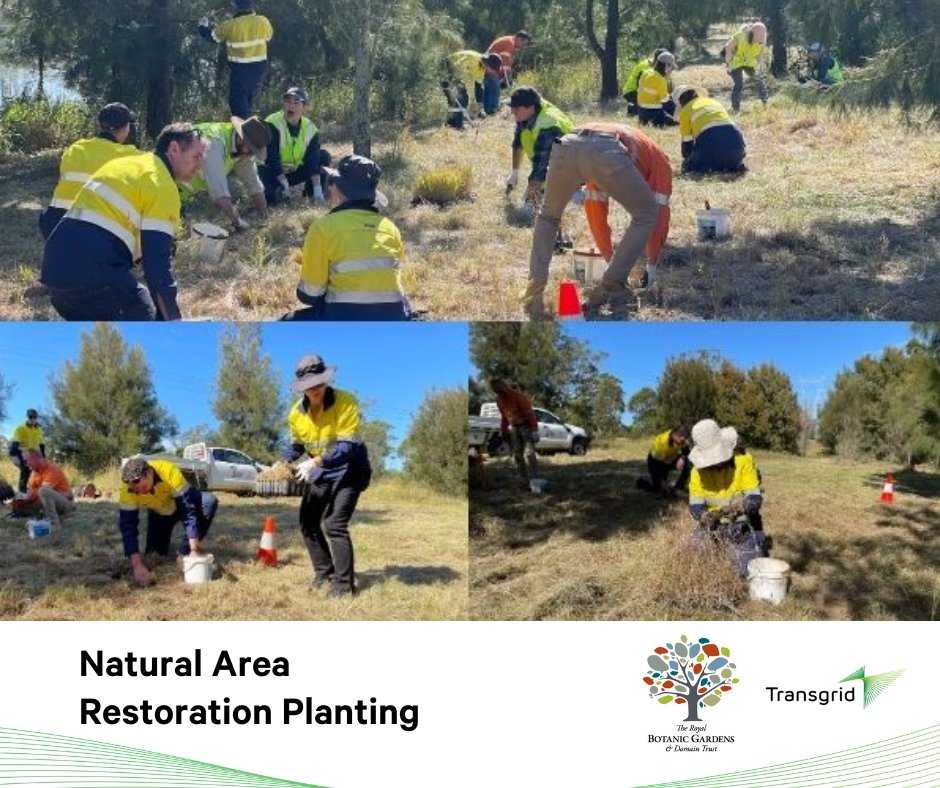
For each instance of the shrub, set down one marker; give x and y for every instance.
(29, 125)
(444, 185)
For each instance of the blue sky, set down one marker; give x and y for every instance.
(812, 354)
(390, 366)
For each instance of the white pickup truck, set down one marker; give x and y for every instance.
(214, 467)
(554, 434)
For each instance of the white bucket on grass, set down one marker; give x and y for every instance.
(208, 241)
(198, 568)
(38, 528)
(538, 486)
(587, 268)
(768, 579)
(713, 224)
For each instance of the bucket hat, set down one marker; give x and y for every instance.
(311, 371)
(713, 444)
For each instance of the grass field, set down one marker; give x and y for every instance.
(837, 218)
(596, 547)
(411, 563)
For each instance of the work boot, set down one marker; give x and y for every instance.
(533, 302)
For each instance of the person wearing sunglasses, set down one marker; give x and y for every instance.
(159, 487)
(324, 424)
(25, 437)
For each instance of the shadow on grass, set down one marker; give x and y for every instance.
(923, 485)
(592, 500)
(408, 575)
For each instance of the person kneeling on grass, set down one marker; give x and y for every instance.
(47, 489)
(159, 487)
(669, 451)
(710, 141)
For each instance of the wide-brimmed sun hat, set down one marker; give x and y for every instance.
(311, 371)
(713, 444)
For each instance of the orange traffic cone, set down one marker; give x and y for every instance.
(569, 302)
(887, 492)
(267, 552)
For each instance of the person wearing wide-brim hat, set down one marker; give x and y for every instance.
(325, 425)
(721, 481)
(350, 265)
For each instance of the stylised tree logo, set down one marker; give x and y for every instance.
(698, 674)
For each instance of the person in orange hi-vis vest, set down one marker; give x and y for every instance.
(654, 165)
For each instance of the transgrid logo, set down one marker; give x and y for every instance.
(872, 687)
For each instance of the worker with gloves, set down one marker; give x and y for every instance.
(325, 425)
(128, 212)
(246, 38)
(632, 82)
(654, 165)
(351, 259)
(608, 157)
(668, 452)
(82, 159)
(236, 146)
(745, 53)
(294, 154)
(27, 436)
(710, 141)
(159, 487)
(826, 70)
(463, 69)
(519, 427)
(654, 105)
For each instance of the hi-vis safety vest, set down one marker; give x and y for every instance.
(225, 133)
(339, 422)
(745, 54)
(653, 89)
(701, 114)
(80, 161)
(128, 196)
(245, 37)
(663, 450)
(549, 118)
(292, 149)
(715, 488)
(162, 498)
(352, 256)
(633, 78)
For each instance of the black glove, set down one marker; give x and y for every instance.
(710, 520)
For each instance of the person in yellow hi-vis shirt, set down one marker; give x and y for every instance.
(159, 487)
(669, 451)
(246, 38)
(25, 437)
(351, 257)
(325, 425)
(745, 53)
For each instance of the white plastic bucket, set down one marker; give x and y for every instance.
(768, 579)
(587, 268)
(713, 224)
(208, 241)
(538, 486)
(38, 528)
(198, 569)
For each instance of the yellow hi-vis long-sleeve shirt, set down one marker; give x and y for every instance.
(245, 37)
(663, 450)
(80, 161)
(715, 487)
(701, 114)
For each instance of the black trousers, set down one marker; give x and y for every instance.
(24, 474)
(160, 526)
(325, 512)
(659, 471)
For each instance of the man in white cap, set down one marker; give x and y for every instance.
(325, 425)
(745, 53)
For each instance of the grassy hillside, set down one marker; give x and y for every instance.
(411, 563)
(596, 547)
(837, 218)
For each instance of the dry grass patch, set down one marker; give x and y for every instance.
(596, 547)
(411, 563)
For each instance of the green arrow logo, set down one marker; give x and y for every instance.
(874, 685)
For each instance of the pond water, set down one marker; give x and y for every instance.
(15, 79)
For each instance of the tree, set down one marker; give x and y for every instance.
(198, 433)
(6, 389)
(644, 406)
(105, 404)
(687, 391)
(477, 391)
(248, 402)
(606, 54)
(377, 435)
(769, 410)
(435, 450)
(599, 405)
(696, 674)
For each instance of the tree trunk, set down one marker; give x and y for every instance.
(779, 37)
(607, 54)
(159, 82)
(41, 68)
(362, 132)
(691, 701)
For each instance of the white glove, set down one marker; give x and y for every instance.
(304, 471)
(512, 181)
(204, 22)
(318, 197)
(240, 224)
(285, 187)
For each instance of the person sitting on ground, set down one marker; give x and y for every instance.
(129, 211)
(745, 53)
(519, 427)
(83, 158)
(668, 452)
(654, 106)
(294, 154)
(48, 490)
(351, 258)
(236, 146)
(826, 70)
(711, 142)
(159, 487)
(26, 436)
(723, 485)
(632, 82)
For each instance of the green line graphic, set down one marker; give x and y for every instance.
(908, 761)
(873, 686)
(33, 758)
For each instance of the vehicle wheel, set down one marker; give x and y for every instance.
(578, 448)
